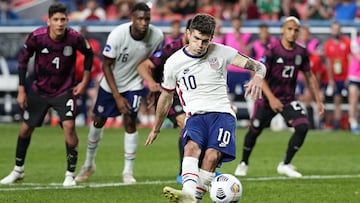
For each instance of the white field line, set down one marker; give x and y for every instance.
(52, 186)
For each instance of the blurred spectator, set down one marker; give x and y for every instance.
(218, 37)
(318, 10)
(288, 9)
(247, 10)
(93, 11)
(309, 42)
(186, 8)
(209, 7)
(260, 45)
(301, 6)
(269, 9)
(175, 32)
(226, 10)
(236, 38)
(161, 11)
(122, 10)
(354, 85)
(7, 12)
(337, 51)
(319, 71)
(345, 10)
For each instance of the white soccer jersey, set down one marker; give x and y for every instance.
(200, 81)
(128, 54)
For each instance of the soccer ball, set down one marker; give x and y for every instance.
(225, 188)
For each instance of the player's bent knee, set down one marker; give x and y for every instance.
(302, 128)
(211, 159)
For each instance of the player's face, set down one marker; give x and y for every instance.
(198, 43)
(290, 31)
(141, 21)
(57, 24)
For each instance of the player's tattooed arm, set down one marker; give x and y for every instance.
(246, 62)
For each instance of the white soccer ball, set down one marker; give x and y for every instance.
(225, 188)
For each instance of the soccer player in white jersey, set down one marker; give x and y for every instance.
(198, 73)
(122, 88)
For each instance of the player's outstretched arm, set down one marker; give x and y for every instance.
(254, 87)
(163, 106)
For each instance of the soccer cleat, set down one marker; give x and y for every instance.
(14, 176)
(177, 196)
(241, 169)
(129, 179)
(85, 173)
(69, 179)
(288, 170)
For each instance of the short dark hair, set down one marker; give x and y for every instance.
(204, 23)
(141, 6)
(57, 8)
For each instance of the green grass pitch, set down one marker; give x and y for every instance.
(329, 161)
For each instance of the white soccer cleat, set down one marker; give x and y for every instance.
(129, 179)
(177, 196)
(85, 173)
(15, 175)
(69, 179)
(288, 170)
(241, 169)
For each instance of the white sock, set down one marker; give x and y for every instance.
(94, 137)
(205, 178)
(69, 173)
(19, 168)
(190, 175)
(130, 146)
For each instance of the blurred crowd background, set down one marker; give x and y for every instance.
(168, 10)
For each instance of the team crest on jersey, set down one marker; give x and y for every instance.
(214, 63)
(298, 59)
(68, 51)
